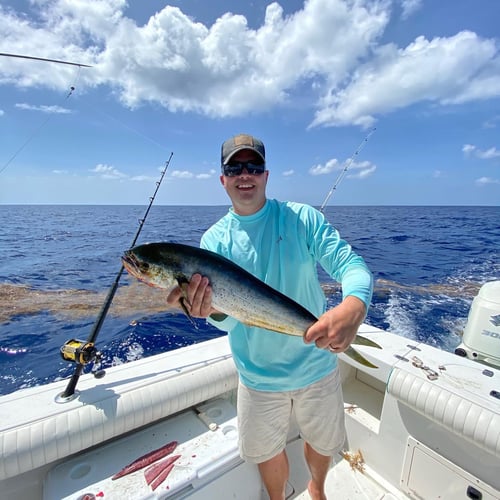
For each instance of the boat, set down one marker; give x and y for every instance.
(425, 424)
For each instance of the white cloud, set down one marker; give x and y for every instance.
(468, 149)
(325, 169)
(142, 178)
(108, 172)
(492, 122)
(483, 181)
(355, 170)
(363, 171)
(466, 68)
(207, 175)
(182, 174)
(288, 173)
(230, 69)
(487, 154)
(43, 108)
(410, 7)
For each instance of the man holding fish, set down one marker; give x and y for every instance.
(281, 243)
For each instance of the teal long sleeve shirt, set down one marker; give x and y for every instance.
(281, 244)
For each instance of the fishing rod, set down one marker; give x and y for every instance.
(346, 167)
(84, 352)
(58, 61)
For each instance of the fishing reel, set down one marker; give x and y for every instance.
(82, 352)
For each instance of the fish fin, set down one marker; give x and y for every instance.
(183, 301)
(360, 340)
(186, 312)
(352, 353)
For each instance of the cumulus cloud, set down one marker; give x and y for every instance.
(410, 7)
(357, 170)
(326, 168)
(487, 154)
(465, 68)
(483, 181)
(108, 172)
(187, 174)
(330, 47)
(182, 174)
(206, 175)
(361, 170)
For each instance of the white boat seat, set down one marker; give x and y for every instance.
(461, 416)
(100, 414)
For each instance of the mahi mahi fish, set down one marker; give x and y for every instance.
(235, 292)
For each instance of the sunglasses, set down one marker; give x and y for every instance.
(236, 168)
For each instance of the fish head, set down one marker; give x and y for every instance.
(146, 263)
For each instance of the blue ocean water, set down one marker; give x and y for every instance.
(58, 262)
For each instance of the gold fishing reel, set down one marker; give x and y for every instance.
(79, 351)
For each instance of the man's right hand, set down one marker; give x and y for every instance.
(197, 296)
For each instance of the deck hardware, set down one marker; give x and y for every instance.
(474, 493)
(417, 362)
(413, 347)
(401, 358)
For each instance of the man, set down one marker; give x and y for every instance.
(281, 243)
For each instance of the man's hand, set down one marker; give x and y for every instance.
(336, 328)
(197, 295)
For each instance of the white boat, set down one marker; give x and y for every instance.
(424, 425)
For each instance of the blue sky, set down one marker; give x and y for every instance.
(311, 79)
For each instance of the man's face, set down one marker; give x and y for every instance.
(247, 191)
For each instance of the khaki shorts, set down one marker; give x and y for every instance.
(264, 418)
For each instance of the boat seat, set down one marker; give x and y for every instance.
(461, 416)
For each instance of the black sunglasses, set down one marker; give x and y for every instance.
(236, 168)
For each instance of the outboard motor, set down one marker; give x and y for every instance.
(481, 337)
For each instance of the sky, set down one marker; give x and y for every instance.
(377, 102)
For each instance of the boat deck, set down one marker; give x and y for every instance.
(345, 482)
(427, 423)
(209, 465)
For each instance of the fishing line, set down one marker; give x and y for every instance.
(346, 168)
(128, 127)
(84, 352)
(44, 123)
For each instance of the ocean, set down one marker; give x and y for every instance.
(57, 264)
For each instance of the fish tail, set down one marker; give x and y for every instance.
(360, 340)
(352, 353)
